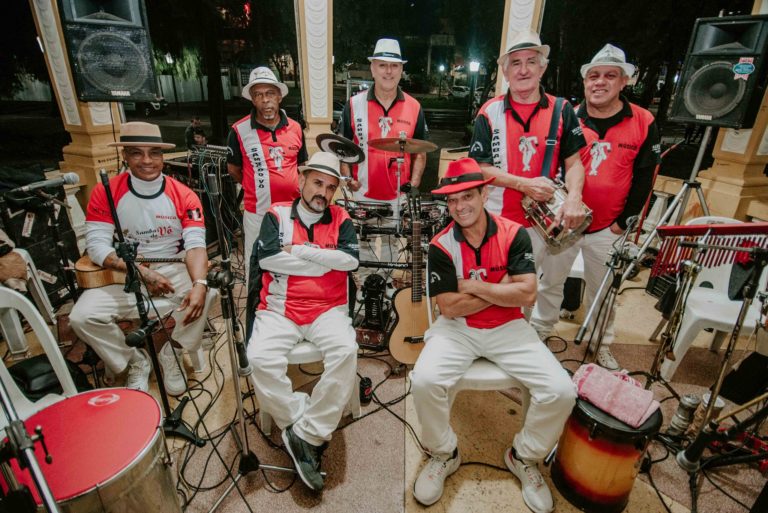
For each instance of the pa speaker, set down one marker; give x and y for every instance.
(723, 79)
(109, 49)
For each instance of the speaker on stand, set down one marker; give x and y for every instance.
(109, 48)
(723, 79)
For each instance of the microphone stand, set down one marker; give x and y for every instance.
(223, 279)
(172, 424)
(20, 446)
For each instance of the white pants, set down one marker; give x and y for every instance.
(251, 229)
(450, 349)
(313, 418)
(95, 315)
(553, 271)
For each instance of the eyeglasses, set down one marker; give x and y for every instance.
(154, 154)
(270, 94)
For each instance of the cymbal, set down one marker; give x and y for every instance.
(405, 145)
(347, 151)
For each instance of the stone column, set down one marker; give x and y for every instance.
(518, 15)
(90, 125)
(314, 32)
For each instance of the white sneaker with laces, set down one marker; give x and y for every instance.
(138, 371)
(174, 375)
(428, 487)
(605, 359)
(536, 493)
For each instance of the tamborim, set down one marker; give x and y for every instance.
(542, 216)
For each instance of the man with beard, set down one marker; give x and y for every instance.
(305, 251)
(266, 148)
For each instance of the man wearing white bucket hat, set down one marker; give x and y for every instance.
(621, 153)
(305, 251)
(383, 111)
(266, 149)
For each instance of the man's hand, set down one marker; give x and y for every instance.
(353, 185)
(571, 214)
(467, 286)
(538, 189)
(193, 303)
(616, 229)
(157, 284)
(287, 248)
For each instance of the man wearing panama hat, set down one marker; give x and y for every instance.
(304, 252)
(266, 148)
(481, 273)
(165, 218)
(621, 153)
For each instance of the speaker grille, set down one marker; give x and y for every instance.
(712, 92)
(112, 62)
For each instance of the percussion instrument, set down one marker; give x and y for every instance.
(402, 145)
(431, 212)
(365, 210)
(347, 151)
(108, 454)
(542, 216)
(598, 458)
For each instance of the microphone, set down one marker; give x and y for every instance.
(245, 368)
(65, 179)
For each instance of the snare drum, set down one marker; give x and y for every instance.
(598, 458)
(365, 210)
(107, 450)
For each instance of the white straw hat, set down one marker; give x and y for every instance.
(323, 162)
(609, 55)
(524, 40)
(263, 75)
(387, 50)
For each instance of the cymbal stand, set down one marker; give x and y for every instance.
(20, 445)
(172, 423)
(223, 279)
(400, 160)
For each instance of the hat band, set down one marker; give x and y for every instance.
(522, 46)
(324, 168)
(387, 54)
(611, 59)
(141, 138)
(467, 177)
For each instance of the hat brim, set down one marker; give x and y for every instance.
(165, 146)
(387, 59)
(629, 69)
(324, 170)
(542, 49)
(463, 186)
(246, 93)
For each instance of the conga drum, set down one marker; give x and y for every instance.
(598, 458)
(108, 454)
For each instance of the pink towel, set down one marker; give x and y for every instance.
(615, 393)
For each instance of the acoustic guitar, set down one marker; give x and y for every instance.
(92, 276)
(409, 305)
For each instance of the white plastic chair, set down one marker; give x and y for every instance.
(14, 304)
(307, 352)
(708, 306)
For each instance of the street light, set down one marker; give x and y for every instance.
(474, 67)
(440, 90)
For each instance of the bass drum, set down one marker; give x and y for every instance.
(598, 458)
(108, 454)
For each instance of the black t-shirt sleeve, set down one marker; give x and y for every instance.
(268, 243)
(345, 125)
(302, 157)
(642, 176)
(234, 157)
(441, 272)
(348, 239)
(480, 147)
(421, 131)
(572, 138)
(520, 255)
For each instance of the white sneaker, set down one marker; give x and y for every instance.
(174, 375)
(605, 359)
(428, 487)
(536, 493)
(138, 371)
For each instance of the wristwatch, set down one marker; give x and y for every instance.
(202, 282)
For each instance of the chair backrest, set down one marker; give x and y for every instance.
(14, 302)
(716, 277)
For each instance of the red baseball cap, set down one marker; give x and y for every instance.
(462, 175)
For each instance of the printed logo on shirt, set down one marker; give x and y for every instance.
(577, 130)
(194, 214)
(527, 147)
(598, 153)
(529, 257)
(434, 277)
(656, 148)
(477, 146)
(385, 124)
(276, 154)
(478, 274)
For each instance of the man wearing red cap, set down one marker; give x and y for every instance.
(481, 272)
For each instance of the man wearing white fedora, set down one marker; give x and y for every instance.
(266, 148)
(621, 153)
(383, 111)
(165, 218)
(305, 251)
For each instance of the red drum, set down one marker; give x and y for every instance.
(108, 454)
(598, 458)
(364, 210)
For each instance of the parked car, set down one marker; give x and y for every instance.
(147, 109)
(460, 91)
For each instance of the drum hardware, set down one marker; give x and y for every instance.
(376, 307)
(223, 279)
(173, 424)
(404, 266)
(683, 417)
(542, 215)
(347, 151)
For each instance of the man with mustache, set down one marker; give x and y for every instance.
(266, 149)
(305, 251)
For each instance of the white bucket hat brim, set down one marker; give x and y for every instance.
(263, 75)
(323, 162)
(387, 50)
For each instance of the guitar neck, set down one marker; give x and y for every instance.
(416, 288)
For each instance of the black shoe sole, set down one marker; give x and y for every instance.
(284, 436)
